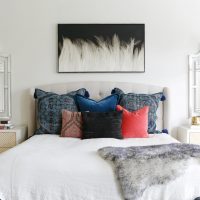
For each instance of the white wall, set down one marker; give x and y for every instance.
(28, 32)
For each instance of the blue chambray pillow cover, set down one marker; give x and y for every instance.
(49, 109)
(104, 105)
(132, 102)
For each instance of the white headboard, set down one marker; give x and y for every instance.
(99, 90)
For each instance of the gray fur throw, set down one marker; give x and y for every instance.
(140, 167)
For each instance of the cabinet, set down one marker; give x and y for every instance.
(11, 137)
(189, 135)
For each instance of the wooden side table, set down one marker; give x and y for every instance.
(11, 137)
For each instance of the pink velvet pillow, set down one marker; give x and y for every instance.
(71, 124)
(134, 124)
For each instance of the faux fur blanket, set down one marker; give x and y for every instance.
(140, 167)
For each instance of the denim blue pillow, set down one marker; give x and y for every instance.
(132, 102)
(105, 105)
(49, 107)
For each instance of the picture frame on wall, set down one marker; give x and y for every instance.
(84, 48)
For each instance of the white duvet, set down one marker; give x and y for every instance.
(48, 167)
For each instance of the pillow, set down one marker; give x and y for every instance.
(133, 102)
(105, 105)
(71, 124)
(102, 124)
(134, 124)
(49, 107)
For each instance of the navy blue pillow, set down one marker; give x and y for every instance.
(105, 105)
(49, 107)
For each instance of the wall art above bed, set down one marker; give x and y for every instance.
(101, 48)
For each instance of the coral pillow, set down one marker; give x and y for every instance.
(71, 124)
(134, 124)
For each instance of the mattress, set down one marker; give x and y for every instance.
(48, 167)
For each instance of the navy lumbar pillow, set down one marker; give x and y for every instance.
(49, 107)
(105, 105)
(102, 125)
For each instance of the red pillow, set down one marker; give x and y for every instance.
(134, 124)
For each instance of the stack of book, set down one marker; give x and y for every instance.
(6, 125)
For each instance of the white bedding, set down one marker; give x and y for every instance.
(48, 167)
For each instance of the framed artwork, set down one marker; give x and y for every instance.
(101, 48)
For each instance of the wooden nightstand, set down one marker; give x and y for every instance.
(11, 137)
(189, 135)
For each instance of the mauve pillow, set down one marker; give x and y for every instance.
(104, 105)
(134, 124)
(102, 124)
(71, 124)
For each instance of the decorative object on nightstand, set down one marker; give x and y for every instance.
(7, 124)
(5, 92)
(194, 88)
(196, 121)
(5, 87)
(189, 134)
(11, 137)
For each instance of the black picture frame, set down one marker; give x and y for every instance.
(101, 48)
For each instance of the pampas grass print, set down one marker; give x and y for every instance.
(106, 55)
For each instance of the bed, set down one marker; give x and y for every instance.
(48, 167)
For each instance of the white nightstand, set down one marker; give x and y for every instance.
(189, 135)
(11, 137)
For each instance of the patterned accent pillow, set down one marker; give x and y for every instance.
(133, 102)
(71, 124)
(49, 107)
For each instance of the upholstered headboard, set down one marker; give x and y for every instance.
(99, 90)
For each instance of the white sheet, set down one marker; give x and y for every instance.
(48, 167)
